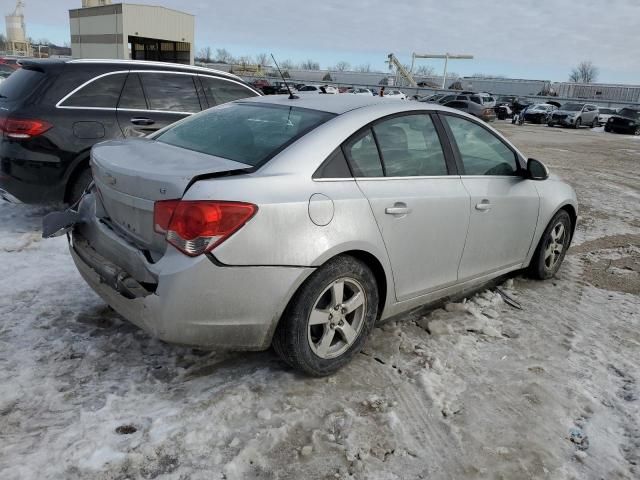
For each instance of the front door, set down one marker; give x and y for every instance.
(504, 206)
(422, 211)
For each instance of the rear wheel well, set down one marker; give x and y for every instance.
(378, 271)
(77, 170)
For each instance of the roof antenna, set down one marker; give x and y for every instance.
(291, 95)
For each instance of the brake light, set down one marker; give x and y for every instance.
(195, 227)
(22, 128)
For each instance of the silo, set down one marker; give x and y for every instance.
(16, 31)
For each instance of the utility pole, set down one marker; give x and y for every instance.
(446, 57)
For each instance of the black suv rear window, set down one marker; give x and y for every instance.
(20, 84)
(244, 132)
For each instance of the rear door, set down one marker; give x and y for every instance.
(420, 205)
(504, 206)
(152, 100)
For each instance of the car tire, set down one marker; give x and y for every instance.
(549, 124)
(78, 185)
(552, 247)
(578, 123)
(595, 123)
(336, 334)
(607, 128)
(636, 131)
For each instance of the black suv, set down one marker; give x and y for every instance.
(53, 111)
(627, 120)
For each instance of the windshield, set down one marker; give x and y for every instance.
(541, 107)
(20, 84)
(572, 107)
(630, 113)
(607, 111)
(246, 133)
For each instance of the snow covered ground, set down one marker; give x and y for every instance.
(474, 390)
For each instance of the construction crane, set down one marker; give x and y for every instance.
(406, 74)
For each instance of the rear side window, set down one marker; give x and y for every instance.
(244, 132)
(102, 92)
(410, 147)
(132, 96)
(335, 166)
(20, 84)
(218, 90)
(481, 152)
(171, 92)
(362, 152)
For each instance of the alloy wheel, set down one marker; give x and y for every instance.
(337, 318)
(556, 244)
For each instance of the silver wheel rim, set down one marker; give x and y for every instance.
(336, 318)
(555, 246)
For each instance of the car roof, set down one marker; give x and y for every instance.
(341, 103)
(146, 64)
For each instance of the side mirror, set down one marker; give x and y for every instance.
(536, 170)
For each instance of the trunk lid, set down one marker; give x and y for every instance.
(130, 175)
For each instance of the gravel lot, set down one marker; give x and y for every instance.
(474, 390)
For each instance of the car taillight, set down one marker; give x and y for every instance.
(22, 128)
(195, 227)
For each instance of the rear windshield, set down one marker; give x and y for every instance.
(630, 113)
(246, 133)
(20, 84)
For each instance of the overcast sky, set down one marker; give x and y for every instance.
(539, 39)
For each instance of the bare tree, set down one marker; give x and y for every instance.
(364, 68)
(263, 59)
(585, 72)
(341, 66)
(310, 65)
(425, 71)
(3, 41)
(244, 60)
(204, 54)
(288, 64)
(223, 56)
(327, 77)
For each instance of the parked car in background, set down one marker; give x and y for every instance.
(431, 98)
(509, 105)
(575, 115)
(627, 120)
(260, 83)
(485, 113)
(11, 62)
(604, 114)
(395, 94)
(202, 237)
(307, 89)
(539, 113)
(53, 111)
(360, 91)
(276, 88)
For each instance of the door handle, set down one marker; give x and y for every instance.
(484, 205)
(399, 209)
(142, 121)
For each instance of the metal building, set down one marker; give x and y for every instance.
(129, 31)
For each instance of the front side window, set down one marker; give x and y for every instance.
(363, 155)
(103, 92)
(218, 90)
(170, 92)
(244, 132)
(410, 146)
(481, 152)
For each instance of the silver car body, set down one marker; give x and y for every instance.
(587, 115)
(447, 240)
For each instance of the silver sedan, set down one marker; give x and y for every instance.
(300, 223)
